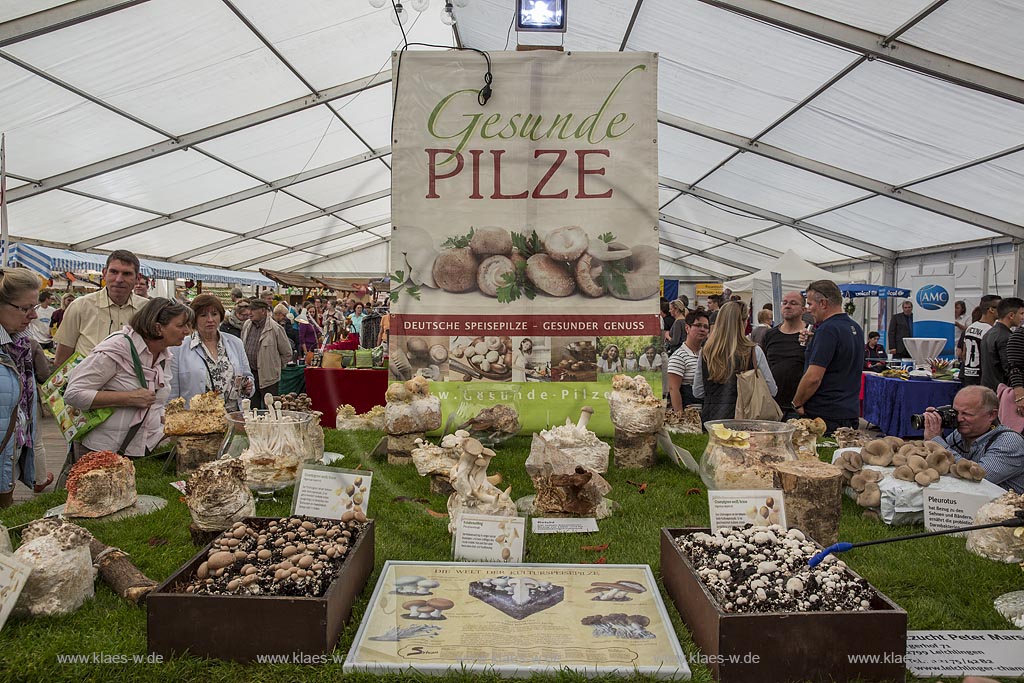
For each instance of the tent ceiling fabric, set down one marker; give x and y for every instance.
(248, 134)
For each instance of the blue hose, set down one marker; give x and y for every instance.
(840, 547)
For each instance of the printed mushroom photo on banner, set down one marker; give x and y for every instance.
(492, 264)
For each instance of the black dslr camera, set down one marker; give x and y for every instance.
(947, 413)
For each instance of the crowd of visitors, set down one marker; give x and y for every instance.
(135, 352)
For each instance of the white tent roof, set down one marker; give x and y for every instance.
(242, 134)
(794, 270)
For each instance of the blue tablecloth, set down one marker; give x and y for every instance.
(889, 402)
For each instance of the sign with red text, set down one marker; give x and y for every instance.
(524, 240)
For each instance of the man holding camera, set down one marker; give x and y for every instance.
(979, 437)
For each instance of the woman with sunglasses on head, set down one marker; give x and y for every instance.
(19, 428)
(109, 378)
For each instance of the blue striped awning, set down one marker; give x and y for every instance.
(49, 260)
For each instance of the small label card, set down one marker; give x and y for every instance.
(331, 492)
(951, 509)
(952, 654)
(564, 525)
(485, 538)
(180, 485)
(736, 508)
(13, 575)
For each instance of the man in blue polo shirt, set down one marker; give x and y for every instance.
(830, 387)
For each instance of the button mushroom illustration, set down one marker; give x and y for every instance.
(521, 589)
(492, 274)
(617, 591)
(455, 270)
(549, 275)
(491, 240)
(438, 605)
(566, 243)
(424, 586)
(417, 609)
(407, 584)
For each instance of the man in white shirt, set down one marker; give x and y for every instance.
(651, 361)
(39, 329)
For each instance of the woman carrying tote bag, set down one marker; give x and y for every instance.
(729, 353)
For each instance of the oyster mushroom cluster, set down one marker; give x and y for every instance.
(617, 625)
(864, 482)
(297, 556)
(564, 261)
(616, 591)
(765, 570)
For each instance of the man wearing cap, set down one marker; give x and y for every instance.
(267, 348)
(92, 318)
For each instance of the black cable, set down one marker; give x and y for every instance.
(853, 258)
(508, 35)
(734, 213)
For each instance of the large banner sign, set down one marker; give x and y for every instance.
(933, 308)
(524, 240)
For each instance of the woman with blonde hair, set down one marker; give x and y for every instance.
(727, 353)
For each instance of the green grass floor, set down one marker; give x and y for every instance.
(938, 583)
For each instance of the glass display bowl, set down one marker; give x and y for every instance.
(740, 453)
(271, 445)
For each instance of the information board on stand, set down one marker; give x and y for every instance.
(486, 538)
(731, 508)
(331, 492)
(952, 654)
(951, 509)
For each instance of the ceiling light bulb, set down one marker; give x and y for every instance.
(399, 15)
(377, 4)
(419, 5)
(447, 17)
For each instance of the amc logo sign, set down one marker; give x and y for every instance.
(932, 297)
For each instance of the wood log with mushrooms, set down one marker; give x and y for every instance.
(115, 567)
(814, 493)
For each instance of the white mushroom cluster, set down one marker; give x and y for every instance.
(764, 569)
(520, 589)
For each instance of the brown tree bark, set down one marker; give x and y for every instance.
(813, 492)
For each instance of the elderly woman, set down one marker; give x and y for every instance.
(109, 378)
(210, 360)
(19, 430)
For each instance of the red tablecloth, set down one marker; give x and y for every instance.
(328, 388)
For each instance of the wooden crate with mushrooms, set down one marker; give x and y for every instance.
(265, 586)
(759, 613)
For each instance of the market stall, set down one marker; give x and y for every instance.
(331, 387)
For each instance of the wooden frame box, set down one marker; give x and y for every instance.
(241, 628)
(784, 646)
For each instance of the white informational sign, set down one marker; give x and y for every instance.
(180, 486)
(485, 538)
(932, 296)
(13, 575)
(952, 654)
(566, 525)
(330, 492)
(951, 509)
(736, 508)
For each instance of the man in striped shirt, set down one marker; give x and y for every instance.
(682, 365)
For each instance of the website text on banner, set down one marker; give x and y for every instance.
(525, 241)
